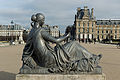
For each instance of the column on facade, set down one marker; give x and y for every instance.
(77, 24)
(106, 29)
(111, 26)
(100, 33)
(81, 30)
(104, 32)
(94, 29)
(10, 38)
(97, 32)
(113, 31)
(118, 31)
(16, 36)
(109, 31)
(21, 37)
(90, 30)
(85, 26)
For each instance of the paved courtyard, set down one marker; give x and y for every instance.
(10, 60)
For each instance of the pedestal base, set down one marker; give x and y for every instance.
(60, 77)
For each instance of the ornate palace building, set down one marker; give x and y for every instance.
(85, 24)
(54, 31)
(11, 33)
(87, 27)
(107, 29)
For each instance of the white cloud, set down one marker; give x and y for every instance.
(57, 12)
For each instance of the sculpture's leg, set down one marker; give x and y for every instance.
(76, 51)
(88, 62)
(28, 64)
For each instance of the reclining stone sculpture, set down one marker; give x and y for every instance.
(39, 57)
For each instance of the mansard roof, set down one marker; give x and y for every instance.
(80, 14)
(108, 22)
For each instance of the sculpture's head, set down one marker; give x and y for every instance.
(39, 17)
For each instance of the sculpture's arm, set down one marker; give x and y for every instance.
(50, 38)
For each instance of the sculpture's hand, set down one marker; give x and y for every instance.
(50, 38)
(68, 35)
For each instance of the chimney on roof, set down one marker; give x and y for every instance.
(78, 9)
(92, 16)
(85, 7)
(78, 12)
(85, 11)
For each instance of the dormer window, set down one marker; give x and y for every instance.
(101, 22)
(106, 23)
(119, 23)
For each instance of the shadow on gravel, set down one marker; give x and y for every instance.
(7, 76)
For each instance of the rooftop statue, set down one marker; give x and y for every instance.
(39, 57)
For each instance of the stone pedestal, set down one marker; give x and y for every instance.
(60, 77)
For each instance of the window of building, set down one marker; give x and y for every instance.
(83, 30)
(92, 29)
(83, 25)
(88, 36)
(106, 31)
(106, 23)
(101, 22)
(92, 36)
(102, 36)
(115, 31)
(78, 23)
(111, 31)
(79, 29)
(102, 31)
(115, 36)
(79, 36)
(88, 30)
(98, 32)
(119, 23)
(98, 37)
(92, 24)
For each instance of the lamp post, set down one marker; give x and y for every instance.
(109, 35)
(16, 34)
(13, 29)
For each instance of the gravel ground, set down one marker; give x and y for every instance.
(10, 60)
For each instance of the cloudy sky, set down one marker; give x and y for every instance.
(57, 12)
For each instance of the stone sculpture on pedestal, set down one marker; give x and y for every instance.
(39, 57)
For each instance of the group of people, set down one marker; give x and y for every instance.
(87, 40)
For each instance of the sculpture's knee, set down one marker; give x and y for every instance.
(29, 62)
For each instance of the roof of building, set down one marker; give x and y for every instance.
(81, 13)
(11, 27)
(54, 28)
(108, 22)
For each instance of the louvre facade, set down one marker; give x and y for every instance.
(108, 29)
(87, 27)
(11, 32)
